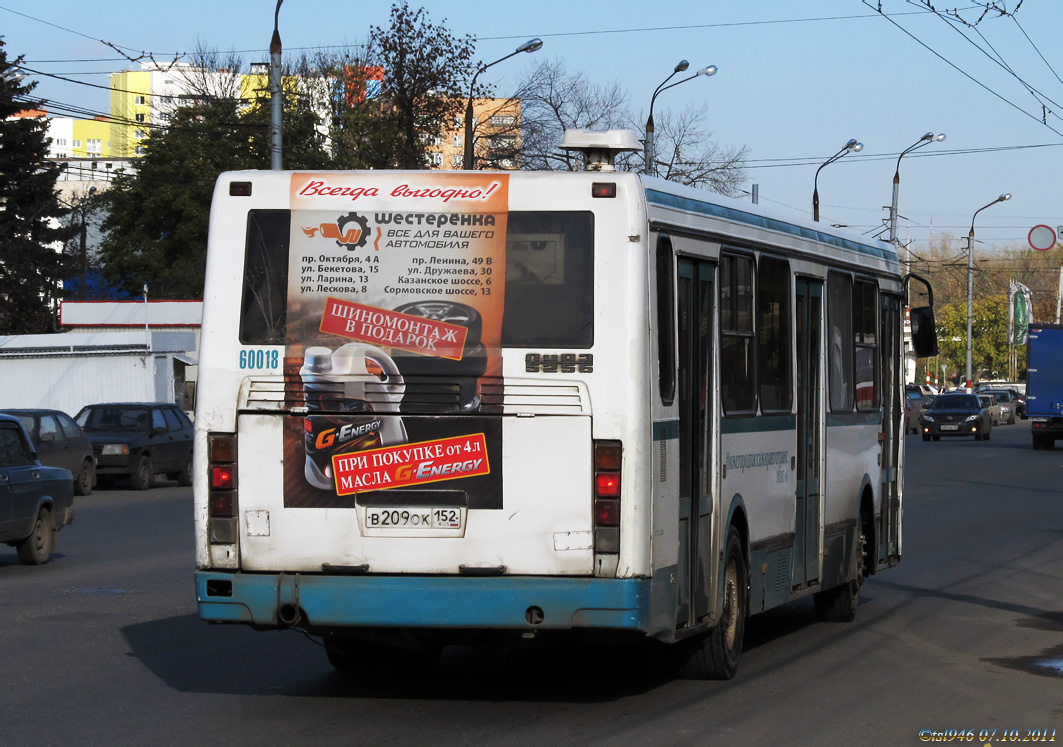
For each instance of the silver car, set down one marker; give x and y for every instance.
(1008, 404)
(989, 402)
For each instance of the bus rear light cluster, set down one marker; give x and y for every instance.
(221, 448)
(608, 458)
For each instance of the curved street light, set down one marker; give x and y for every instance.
(851, 146)
(926, 139)
(275, 94)
(532, 45)
(648, 166)
(970, 284)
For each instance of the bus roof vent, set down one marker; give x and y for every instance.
(600, 149)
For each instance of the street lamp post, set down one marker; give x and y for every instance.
(851, 146)
(970, 284)
(649, 167)
(468, 161)
(929, 137)
(275, 94)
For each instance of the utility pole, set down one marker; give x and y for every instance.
(84, 251)
(1059, 296)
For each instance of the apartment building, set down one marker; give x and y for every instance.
(496, 129)
(145, 99)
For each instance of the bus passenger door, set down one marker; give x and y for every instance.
(809, 318)
(697, 459)
(888, 551)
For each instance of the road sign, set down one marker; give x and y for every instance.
(1042, 238)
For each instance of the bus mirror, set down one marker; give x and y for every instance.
(924, 332)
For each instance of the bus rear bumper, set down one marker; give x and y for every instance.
(511, 602)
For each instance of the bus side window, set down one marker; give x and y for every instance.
(840, 341)
(666, 319)
(774, 335)
(865, 323)
(264, 308)
(738, 367)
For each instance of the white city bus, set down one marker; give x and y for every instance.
(464, 407)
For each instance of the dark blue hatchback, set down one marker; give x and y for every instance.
(35, 501)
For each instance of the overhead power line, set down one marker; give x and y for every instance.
(962, 72)
(687, 27)
(767, 163)
(1016, 20)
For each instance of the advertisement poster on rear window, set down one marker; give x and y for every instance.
(395, 301)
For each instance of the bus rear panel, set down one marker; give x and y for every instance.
(395, 404)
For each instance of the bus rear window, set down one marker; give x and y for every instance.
(549, 298)
(549, 280)
(264, 306)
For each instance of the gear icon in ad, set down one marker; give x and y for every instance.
(362, 236)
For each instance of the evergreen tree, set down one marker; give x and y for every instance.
(32, 266)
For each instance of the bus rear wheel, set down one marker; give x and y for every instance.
(716, 653)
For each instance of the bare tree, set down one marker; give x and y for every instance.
(687, 154)
(209, 74)
(554, 100)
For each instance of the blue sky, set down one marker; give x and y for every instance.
(795, 82)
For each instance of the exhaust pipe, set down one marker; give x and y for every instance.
(289, 614)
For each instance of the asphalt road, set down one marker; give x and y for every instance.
(102, 645)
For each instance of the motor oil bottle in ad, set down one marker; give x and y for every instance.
(352, 398)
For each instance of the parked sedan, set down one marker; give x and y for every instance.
(956, 414)
(60, 442)
(35, 501)
(139, 440)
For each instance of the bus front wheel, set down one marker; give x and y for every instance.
(716, 653)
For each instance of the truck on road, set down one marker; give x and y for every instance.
(1044, 384)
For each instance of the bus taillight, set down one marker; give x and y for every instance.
(608, 457)
(223, 505)
(221, 476)
(607, 485)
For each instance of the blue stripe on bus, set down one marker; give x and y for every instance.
(854, 418)
(428, 601)
(740, 216)
(758, 424)
(666, 430)
(669, 429)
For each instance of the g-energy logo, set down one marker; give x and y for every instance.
(339, 436)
